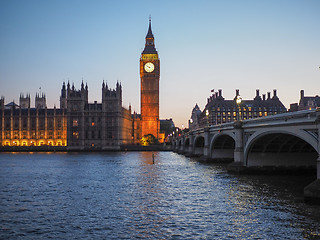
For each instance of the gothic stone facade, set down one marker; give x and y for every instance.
(99, 126)
(79, 125)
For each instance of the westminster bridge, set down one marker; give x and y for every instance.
(283, 141)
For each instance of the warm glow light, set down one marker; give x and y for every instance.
(75, 123)
(48, 136)
(149, 57)
(238, 100)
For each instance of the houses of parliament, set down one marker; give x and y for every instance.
(80, 125)
(107, 125)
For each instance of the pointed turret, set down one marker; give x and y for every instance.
(149, 47)
(149, 34)
(82, 85)
(63, 90)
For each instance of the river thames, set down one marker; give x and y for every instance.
(124, 196)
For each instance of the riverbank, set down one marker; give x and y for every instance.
(93, 149)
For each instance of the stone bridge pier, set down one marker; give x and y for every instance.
(206, 151)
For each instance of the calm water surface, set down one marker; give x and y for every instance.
(125, 196)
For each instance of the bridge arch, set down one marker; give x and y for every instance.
(198, 147)
(222, 147)
(281, 148)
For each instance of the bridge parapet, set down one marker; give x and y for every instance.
(305, 116)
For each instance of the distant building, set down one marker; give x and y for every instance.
(166, 128)
(307, 102)
(195, 119)
(218, 110)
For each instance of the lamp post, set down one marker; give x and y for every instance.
(207, 114)
(238, 101)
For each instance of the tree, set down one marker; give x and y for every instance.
(148, 140)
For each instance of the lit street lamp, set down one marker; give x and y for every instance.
(207, 114)
(238, 101)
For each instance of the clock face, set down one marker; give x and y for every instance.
(149, 67)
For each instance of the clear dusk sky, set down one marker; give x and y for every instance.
(203, 45)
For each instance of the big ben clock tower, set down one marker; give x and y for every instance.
(150, 76)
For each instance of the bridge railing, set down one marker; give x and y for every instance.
(289, 117)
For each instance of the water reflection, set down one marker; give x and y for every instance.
(126, 196)
(144, 201)
(149, 157)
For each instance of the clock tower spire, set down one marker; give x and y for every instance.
(149, 46)
(150, 76)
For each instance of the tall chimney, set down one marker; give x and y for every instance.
(301, 94)
(220, 92)
(257, 93)
(263, 97)
(274, 92)
(269, 95)
(237, 92)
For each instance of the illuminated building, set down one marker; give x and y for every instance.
(221, 111)
(80, 125)
(26, 126)
(150, 76)
(77, 124)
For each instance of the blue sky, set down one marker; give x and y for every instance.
(202, 45)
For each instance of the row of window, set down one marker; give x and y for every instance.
(218, 119)
(270, 109)
(33, 122)
(109, 122)
(255, 114)
(33, 135)
(93, 135)
(33, 143)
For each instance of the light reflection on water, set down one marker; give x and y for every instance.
(126, 196)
